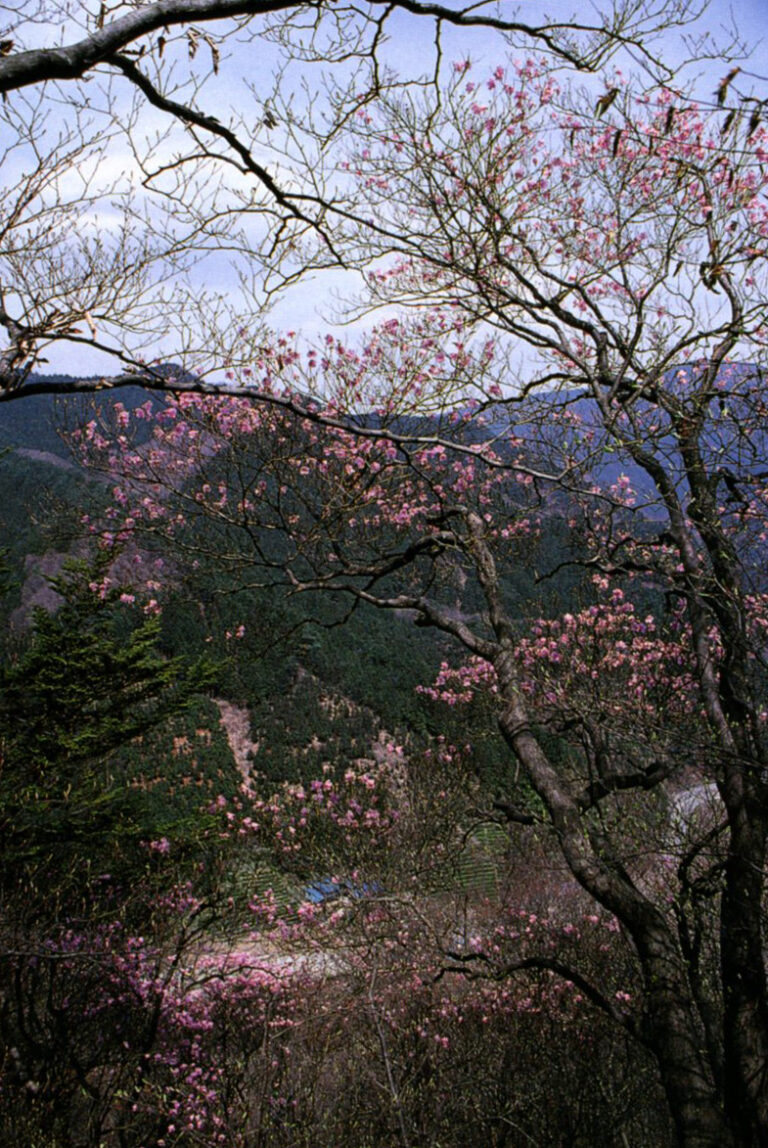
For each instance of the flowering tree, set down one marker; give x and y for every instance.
(593, 356)
(110, 205)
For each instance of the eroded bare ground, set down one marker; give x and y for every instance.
(36, 589)
(237, 725)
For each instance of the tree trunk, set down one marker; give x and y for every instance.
(673, 1033)
(743, 971)
(672, 1030)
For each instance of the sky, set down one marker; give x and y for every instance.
(309, 307)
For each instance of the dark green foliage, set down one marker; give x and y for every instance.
(30, 491)
(307, 727)
(292, 662)
(196, 622)
(179, 767)
(41, 506)
(90, 682)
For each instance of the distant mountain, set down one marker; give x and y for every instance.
(725, 444)
(34, 423)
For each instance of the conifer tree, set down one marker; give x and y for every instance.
(90, 681)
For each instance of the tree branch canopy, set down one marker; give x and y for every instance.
(40, 65)
(37, 66)
(265, 185)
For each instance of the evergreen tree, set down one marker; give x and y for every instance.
(91, 679)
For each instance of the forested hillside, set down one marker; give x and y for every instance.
(305, 649)
(132, 803)
(226, 733)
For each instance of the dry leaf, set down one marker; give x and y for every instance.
(722, 87)
(603, 104)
